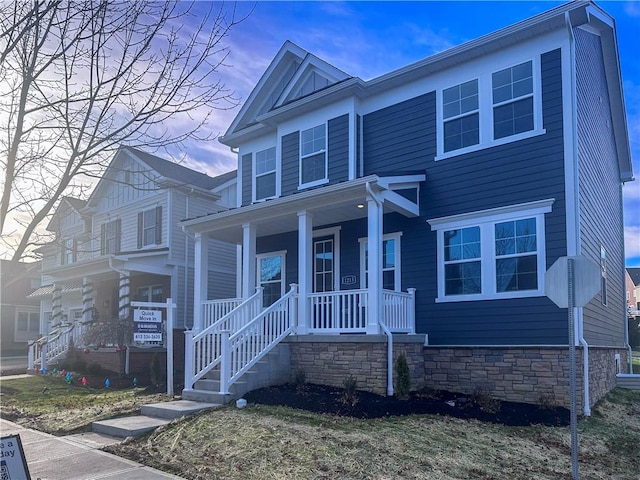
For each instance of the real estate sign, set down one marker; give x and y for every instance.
(13, 464)
(147, 325)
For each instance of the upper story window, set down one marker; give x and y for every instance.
(496, 108)
(513, 100)
(69, 251)
(461, 116)
(150, 227)
(498, 253)
(313, 156)
(110, 237)
(265, 174)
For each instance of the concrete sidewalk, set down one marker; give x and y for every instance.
(75, 457)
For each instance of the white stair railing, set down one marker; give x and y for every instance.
(203, 349)
(214, 310)
(244, 348)
(53, 346)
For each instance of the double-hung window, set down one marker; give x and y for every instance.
(492, 254)
(271, 276)
(512, 100)
(68, 251)
(460, 111)
(313, 156)
(265, 176)
(497, 107)
(150, 227)
(110, 237)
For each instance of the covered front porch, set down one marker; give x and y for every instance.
(299, 239)
(316, 262)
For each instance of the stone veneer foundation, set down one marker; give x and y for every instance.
(520, 374)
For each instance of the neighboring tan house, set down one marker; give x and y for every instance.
(427, 203)
(19, 314)
(124, 244)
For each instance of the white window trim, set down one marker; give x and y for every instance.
(145, 228)
(485, 107)
(486, 219)
(398, 268)
(22, 336)
(326, 232)
(325, 151)
(254, 175)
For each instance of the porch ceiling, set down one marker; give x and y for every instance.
(327, 205)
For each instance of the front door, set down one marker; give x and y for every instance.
(324, 275)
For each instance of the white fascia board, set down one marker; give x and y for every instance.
(293, 203)
(496, 214)
(605, 25)
(287, 48)
(401, 182)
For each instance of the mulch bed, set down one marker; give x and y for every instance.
(331, 400)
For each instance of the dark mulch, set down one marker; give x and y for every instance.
(331, 400)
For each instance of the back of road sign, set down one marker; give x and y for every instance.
(586, 274)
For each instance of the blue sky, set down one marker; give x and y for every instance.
(368, 39)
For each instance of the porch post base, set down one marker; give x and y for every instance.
(372, 329)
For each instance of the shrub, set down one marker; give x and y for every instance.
(486, 402)
(403, 376)
(349, 396)
(299, 379)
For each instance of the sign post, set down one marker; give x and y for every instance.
(147, 327)
(572, 282)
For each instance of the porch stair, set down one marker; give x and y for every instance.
(273, 369)
(151, 417)
(628, 380)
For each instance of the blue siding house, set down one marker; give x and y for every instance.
(418, 212)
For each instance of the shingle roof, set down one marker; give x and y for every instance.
(634, 273)
(180, 173)
(76, 203)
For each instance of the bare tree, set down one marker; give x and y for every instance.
(78, 78)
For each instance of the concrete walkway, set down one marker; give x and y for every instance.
(76, 457)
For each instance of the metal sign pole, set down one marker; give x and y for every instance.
(572, 370)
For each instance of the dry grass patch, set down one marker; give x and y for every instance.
(280, 443)
(48, 404)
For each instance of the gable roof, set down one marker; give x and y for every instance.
(65, 203)
(174, 171)
(252, 121)
(282, 81)
(634, 273)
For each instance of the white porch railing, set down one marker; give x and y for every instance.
(203, 349)
(53, 346)
(345, 311)
(213, 310)
(342, 311)
(248, 345)
(400, 310)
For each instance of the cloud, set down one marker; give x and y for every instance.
(632, 8)
(632, 241)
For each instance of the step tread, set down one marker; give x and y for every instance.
(128, 426)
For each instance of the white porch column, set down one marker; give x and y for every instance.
(305, 270)
(374, 225)
(57, 315)
(200, 279)
(87, 299)
(248, 260)
(124, 295)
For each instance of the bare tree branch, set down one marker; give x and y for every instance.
(79, 78)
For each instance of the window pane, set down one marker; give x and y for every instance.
(519, 273)
(271, 293)
(313, 168)
(266, 161)
(388, 254)
(388, 280)
(265, 186)
(513, 118)
(463, 278)
(461, 132)
(271, 269)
